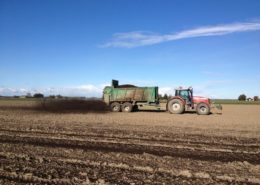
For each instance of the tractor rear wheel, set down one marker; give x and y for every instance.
(175, 106)
(203, 109)
(115, 107)
(127, 107)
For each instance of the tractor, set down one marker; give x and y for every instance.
(185, 101)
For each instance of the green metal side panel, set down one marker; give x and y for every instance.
(107, 94)
(151, 93)
(138, 94)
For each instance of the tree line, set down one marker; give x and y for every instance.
(243, 97)
(38, 95)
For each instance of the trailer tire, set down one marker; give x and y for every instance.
(127, 107)
(203, 109)
(175, 106)
(115, 107)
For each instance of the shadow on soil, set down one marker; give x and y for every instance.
(159, 111)
(150, 111)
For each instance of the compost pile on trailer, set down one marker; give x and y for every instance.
(39, 147)
(126, 86)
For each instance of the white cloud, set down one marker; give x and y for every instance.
(140, 38)
(88, 90)
(213, 88)
(166, 90)
(210, 88)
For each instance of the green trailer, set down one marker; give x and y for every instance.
(128, 97)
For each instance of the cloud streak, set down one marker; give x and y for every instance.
(140, 38)
(88, 90)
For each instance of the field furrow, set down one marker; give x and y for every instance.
(149, 137)
(139, 148)
(136, 148)
(85, 171)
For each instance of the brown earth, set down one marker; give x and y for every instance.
(130, 148)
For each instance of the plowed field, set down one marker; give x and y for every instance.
(130, 148)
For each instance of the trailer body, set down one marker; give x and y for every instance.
(130, 93)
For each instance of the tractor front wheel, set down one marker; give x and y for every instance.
(203, 109)
(175, 106)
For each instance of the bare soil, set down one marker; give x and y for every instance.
(142, 147)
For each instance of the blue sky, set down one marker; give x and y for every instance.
(75, 48)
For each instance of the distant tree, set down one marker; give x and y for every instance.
(59, 96)
(38, 95)
(52, 96)
(242, 97)
(28, 95)
(256, 98)
(165, 96)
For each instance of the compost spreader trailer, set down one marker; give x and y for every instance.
(127, 98)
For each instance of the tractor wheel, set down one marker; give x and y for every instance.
(203, 109)
(127, 107)
(115, 107)
(175, 106)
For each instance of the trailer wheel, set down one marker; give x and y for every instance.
(115, 107)
(127, 107)
(175, 106)
(203, 109)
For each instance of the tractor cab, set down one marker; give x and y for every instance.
(186, 94)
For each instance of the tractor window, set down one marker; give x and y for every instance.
(184, 94)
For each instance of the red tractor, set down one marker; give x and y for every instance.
(185, 101)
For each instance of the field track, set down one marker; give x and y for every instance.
(43, 148)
